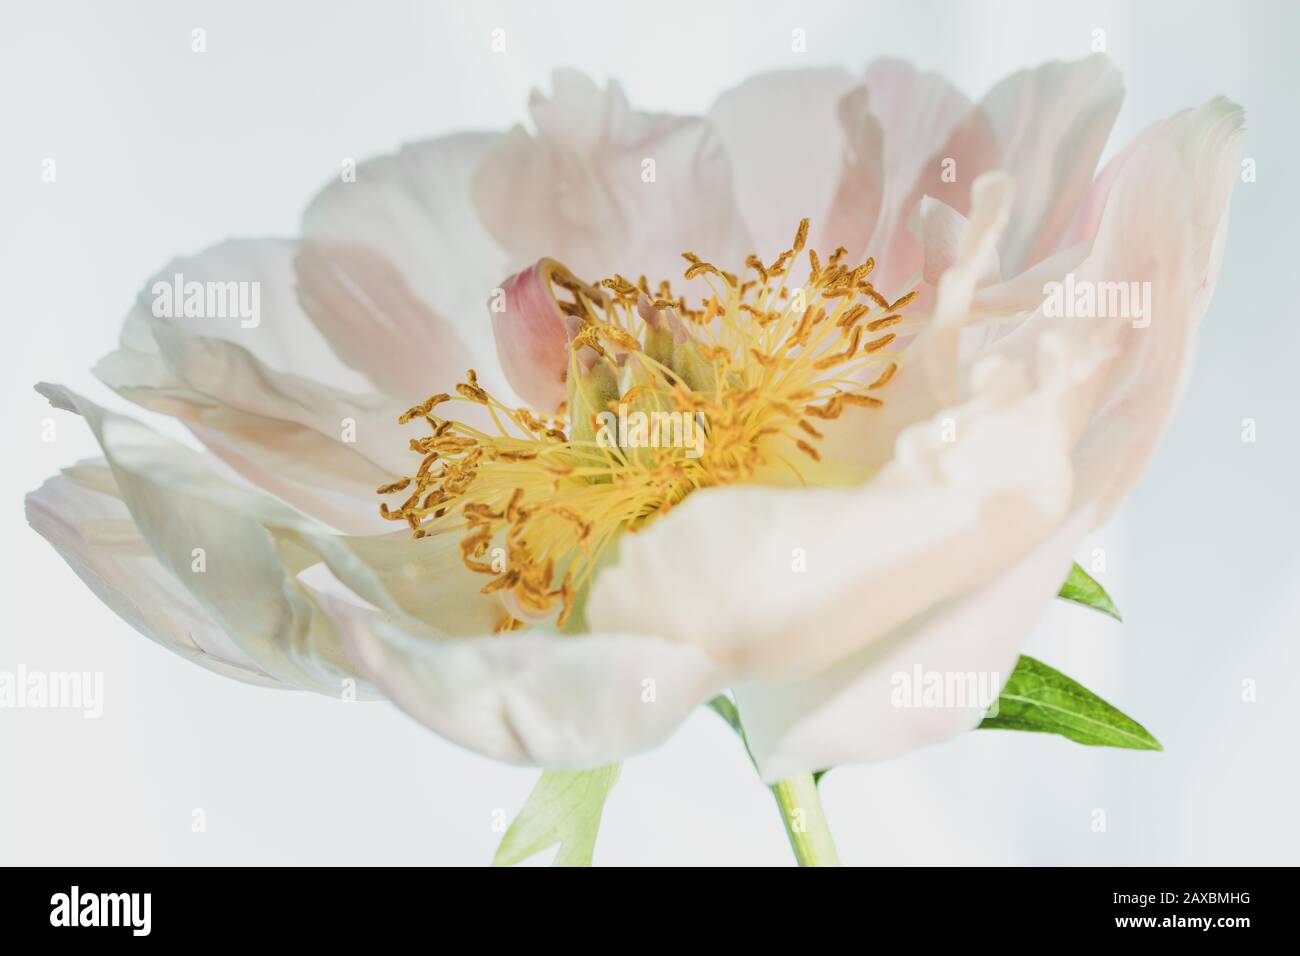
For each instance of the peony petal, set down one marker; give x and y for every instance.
(940, 342)
(920, 113)
(783, 583)
(245, 576)
(543, 699)
(848, 713)
(1208, 141)
(860, 193)
(1159, 241)
(786, 143)
(973, 314)
(1051, 123)
(395, 267)
(422, 578)
(532, 336)
(81, 513)
(964, 257)
(562, 702)
(253, 395)
(1165, 224)
(376, 322)
(280, 336)
(943, 230)
(582, 190)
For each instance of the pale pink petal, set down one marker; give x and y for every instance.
(786, 142)
(377, 323)
(257, 396)
(919, 113)
(860, 192)
(424, 579)
(942, 232)
(850, 713)
(782, 583)
(928, 355)
(1199, 135)
(281, 337)
(605, 189)
(1165, 224)
(561, 702)
(532, 337)
(396, 267)
(976, 259)
(81, 513)
(1051, 123)
(229, 547)
(1087, 217)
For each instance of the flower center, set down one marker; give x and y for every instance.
(664, 398)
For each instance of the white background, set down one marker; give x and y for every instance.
(162, 151)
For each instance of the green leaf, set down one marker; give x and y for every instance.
(1080, 588)
(564, 808)
(1042, 699)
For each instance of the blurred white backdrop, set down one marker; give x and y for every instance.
(161, 152)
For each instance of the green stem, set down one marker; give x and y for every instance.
(797, 797)
(805, 823)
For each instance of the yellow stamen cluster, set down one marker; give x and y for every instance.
(753, 366)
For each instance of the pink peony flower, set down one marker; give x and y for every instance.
(893, 427)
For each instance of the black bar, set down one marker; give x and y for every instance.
(337, 906)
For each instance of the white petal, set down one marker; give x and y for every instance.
(861, 441)
(1165, 224)
(860, 191)
(1051, 123)
(919, 113)
(963, 258)
(583, 190)
(784, 582)
(562, 702)
(379, 325)
(1208, 141)
(973, 315)
(255, 395)
(280, 336)
(943, 230)
(396, 268)
(848, 713)
(940, 342)
(424, 578)
(216, 540)
(82, 515)
(529, 698)
(786, 142)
